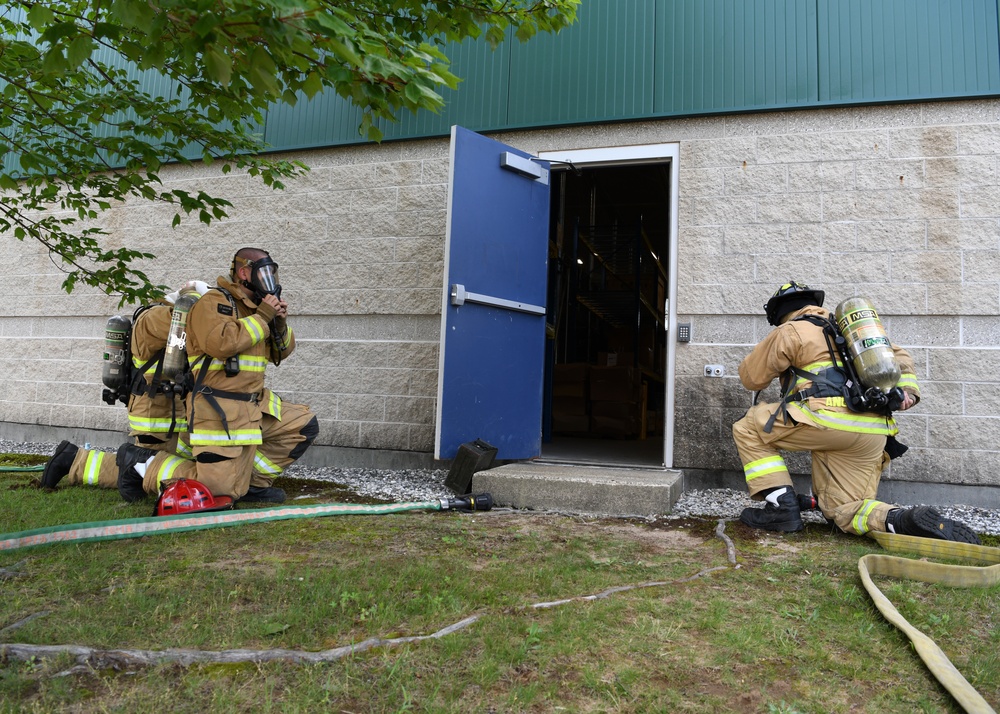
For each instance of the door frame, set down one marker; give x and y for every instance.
(623, 156)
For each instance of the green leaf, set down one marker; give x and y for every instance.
(218, 65)
(80, 50)
(39, 16)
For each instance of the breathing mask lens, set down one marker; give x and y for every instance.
(264, 278)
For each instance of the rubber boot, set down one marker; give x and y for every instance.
(129, 480)
(780, 512)
(58, 465)
(263, 494)
(926, 522)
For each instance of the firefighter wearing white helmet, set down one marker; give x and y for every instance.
(156, 415)
(848, 445)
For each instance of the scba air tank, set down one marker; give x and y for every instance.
(175, 353)
(116, 332)
(868, 344)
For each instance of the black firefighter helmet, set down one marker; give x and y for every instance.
(789, 297)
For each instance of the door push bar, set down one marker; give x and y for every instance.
(460, 296)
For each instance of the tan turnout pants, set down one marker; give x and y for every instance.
(240, 466)
(98, 468)
(846, 466)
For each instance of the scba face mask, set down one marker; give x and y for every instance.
(263, 278)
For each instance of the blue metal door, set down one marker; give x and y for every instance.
(493, 316)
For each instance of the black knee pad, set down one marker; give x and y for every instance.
(310, 431)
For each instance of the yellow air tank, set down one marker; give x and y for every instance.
(869, 347)
(175, 353)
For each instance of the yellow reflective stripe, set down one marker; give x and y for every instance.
(236, 437)
(264, 465)
(151, 425)
(184, 450)
(908, 380)
(254, 326)
(248, 363)
(167, 469)
(92, 467)
(273, 406)
(860, 522)
(858, 423)
(814, 368)
(763, 467)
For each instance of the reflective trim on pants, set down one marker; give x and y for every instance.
(92, 468)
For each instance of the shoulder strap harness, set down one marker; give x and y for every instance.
(838, 380)
(232, 368)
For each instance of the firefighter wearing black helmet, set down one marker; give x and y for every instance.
(848, 447)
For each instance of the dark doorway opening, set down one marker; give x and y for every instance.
(606, 342)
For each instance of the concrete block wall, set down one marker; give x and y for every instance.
(360, 242)
(899, 203)
(896, 203)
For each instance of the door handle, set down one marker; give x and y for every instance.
(460, 296)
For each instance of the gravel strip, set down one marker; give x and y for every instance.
(428, 485)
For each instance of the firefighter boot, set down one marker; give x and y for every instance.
(129, 479)
(925, 522)
(58, 465)
(263, 494)
(780, 512)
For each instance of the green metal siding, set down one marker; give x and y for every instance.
(883, 50)
(324, 121)
(480, 102)
(734, 55)
(599, 69)
(636, 59)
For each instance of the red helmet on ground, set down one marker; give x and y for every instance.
(186, 495)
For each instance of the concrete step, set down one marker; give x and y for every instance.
(593, 490)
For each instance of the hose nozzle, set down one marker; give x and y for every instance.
(471, 502)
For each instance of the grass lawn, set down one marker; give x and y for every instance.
(789, 628)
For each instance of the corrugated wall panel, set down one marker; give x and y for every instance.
(480, 102)
(628, 59)
(326, 120)
(731, 55)
(879, 50)
(596, 70)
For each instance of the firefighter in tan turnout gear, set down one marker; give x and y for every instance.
(156, 417)
(848, 447)
(242, 434)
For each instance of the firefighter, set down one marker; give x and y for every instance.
(242, 434)
(848, 448)
(156, 416)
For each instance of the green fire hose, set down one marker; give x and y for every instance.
(138, 527)
(873, 564)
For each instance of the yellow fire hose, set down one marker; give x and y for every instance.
(960, 576)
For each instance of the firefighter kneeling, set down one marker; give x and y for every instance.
(820, 413)
(242, 435)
